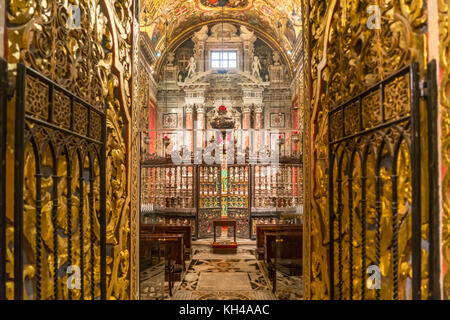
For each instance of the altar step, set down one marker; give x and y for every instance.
(240, 241)
(224, 246)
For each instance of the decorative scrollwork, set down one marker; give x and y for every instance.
(398, 98)
(94, 62)
(346, 58)
(444, 97)
(36, 93)
(371, 110)
(61, 109)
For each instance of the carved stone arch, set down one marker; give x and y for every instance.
(266, 37)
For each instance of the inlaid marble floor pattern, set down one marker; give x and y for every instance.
(234, 276)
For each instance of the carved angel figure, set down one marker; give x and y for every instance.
(256, 67)
(191, 67)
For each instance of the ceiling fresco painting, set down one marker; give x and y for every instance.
(280, 19)
(229, 4)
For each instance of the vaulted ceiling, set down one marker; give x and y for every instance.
(279, 19)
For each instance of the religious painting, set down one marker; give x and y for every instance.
(289, 31)
(207, 5)
(158, 31)
(170, 120)
(277, 120)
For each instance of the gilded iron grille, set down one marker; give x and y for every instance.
(209, 198)
(60, 192)
(191, 194)
(3, 98)
(374, 191)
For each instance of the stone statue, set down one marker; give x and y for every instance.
(276, 58)
(191, 67)
(256, 67)
(170, 58)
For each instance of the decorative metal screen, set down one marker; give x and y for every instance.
(277, 187)
(238, 198)
(209, 198)
(3, 97)
(375, 195)
(168, 186)
(191, 194)
(59, 207)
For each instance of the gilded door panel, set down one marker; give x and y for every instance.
(343, 57)
(388, 207)
(45, 39)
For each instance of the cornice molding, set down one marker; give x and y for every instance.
(147, 48)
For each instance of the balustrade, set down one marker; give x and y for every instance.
(190, 194)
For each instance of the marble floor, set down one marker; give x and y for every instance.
(221, 276)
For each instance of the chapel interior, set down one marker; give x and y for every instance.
(224, 150)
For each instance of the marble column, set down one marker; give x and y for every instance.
(294, 145)
(189, 137)
(200, 126)
(246, 125)
(258, 126)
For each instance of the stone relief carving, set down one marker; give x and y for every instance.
(228, 31)
(246, 34)
(202, 34)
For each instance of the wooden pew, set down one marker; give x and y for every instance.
(175, 229)
(261, 229)
(283, 252)
(290, 243)
(173, 253)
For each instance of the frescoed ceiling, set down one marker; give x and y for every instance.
(279, 18)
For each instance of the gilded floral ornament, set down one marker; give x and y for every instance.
(444, 98)
(346, 58)
(93, 61)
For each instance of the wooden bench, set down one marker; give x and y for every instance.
(175, 229)
(173, 251)
(262, 228)
(283, 252)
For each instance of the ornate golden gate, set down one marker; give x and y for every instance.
(59, 194)
(375, 195)
(190, 194)
(3, 97)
